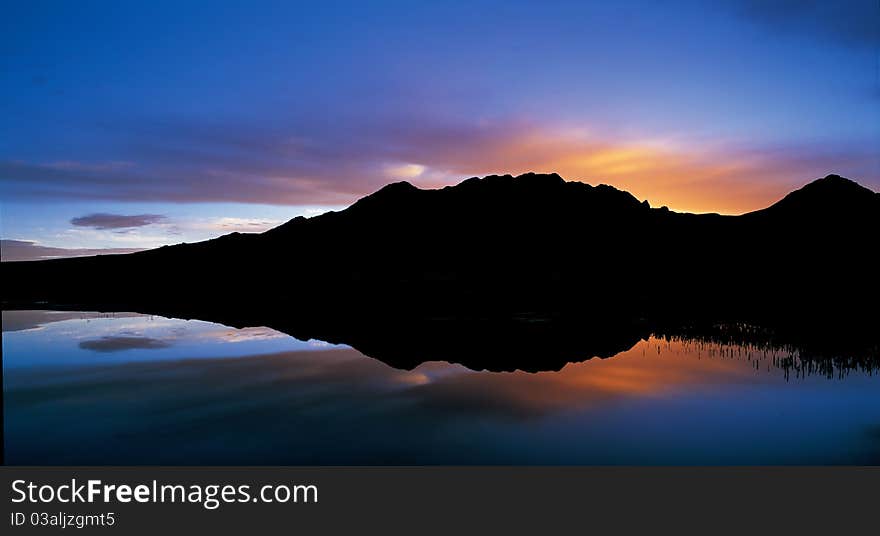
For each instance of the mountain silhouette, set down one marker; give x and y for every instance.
(522, 264)
(832, 196)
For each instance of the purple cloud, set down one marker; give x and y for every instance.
(120, 343)
(104, 221)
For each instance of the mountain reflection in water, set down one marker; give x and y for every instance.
(91, 388)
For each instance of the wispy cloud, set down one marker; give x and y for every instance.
(230, 224)
(89, 166)
(403, 171)
(103, 221)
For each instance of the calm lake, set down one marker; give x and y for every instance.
(106, 389)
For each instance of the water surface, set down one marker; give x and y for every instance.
(93, 388)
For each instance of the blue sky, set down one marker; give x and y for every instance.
(221, 116)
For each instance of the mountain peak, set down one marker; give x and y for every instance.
(835, 182)
(540, 178)
(390, 193)
(400, 186)
(831, 195)
(831, 188)
(529, 180)
(394, 189)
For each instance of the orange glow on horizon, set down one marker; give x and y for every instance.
(722, 180)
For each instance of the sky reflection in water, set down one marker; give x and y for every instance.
(90, 388)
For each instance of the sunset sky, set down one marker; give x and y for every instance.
(131, 125)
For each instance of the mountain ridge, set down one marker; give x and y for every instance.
(521, 265)
(830, 193)
(842, 190)
(530, 241)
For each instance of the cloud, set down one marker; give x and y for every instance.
(26, 250)
(850, 22)
(119, 343)
(103, 221)
(230, 224)
(311, 164)
(404, 171)
(87, 166)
